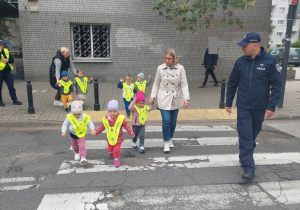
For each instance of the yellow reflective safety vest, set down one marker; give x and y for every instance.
(82, 85)
(142, 113)
(66, 85)
(141, 86)
(113, 132)
(2, 64)
(128, 93)
(79, 127)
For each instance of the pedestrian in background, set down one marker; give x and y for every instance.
(210, 63)
(256, 75)
(6, 60)
(60, 62)
(171, 89)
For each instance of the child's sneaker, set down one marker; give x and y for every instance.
(111, 154)
(128, 116)
(67, 110)
(83, 161)
(77, 156)
(134, 145)
(117, 163)
(142, 149)
(171, 143)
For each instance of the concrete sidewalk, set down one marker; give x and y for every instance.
(204, 103)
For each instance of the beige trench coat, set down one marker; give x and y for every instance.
(170, 87)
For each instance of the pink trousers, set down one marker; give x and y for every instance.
(78, 146)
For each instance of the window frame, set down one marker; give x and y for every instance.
(91, 59)
(282, 22)
(281, 8)
(279, 32)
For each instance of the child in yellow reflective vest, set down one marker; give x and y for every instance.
(66, 88)
(77, 122)
(141, 84)
(80, 86)
(128, 92)
(113, 123)
(139, 117)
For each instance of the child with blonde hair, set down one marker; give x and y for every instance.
(80, 86)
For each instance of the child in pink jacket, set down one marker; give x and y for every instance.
(139, 118)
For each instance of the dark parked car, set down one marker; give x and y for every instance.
(14, 51)
(294, 57)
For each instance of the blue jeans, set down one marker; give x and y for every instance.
(249, 124)
(9, 80)
(169, 119)
(127, 105)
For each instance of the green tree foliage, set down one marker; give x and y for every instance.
(295, 44)
(5, 25)
(200, 14)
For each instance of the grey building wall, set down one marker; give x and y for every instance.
(139, 37)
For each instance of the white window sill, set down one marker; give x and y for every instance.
(92, 60)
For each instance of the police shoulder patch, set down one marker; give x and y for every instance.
(278, 67)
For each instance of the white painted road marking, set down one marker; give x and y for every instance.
(18, 180)
(212, 141)
(16, 188)
(188, 128)
(222, 196)
(201, 161)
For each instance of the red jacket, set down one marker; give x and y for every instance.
(112, 123)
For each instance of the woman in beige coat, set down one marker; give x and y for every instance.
(171, 90)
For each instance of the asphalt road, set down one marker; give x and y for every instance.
(34, 160)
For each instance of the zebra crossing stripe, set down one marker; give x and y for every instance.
(149, 143)
(6, 181)
(222, 196)
(188, 128)
(201, 161)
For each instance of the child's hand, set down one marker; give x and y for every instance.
(59, 85)
(74, 92)
(63, 134)
(151, 102)
(93, 132)
(149, 76)
(91, 78)
(121, 80)
(133, 135)
(134, 100)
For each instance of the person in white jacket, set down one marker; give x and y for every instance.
(171, 90)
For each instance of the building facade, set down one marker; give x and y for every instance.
(278, 19)
(109, 39)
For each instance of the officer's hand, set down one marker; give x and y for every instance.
(186, 103)
(269, 113)
(228, 109)
(149, 76)
(121, 80)
(74, 92)
(133, 135)
(5, 60)
(215, 66)
(59, 85)
(93, 132)
(63, 134)
(91, 78)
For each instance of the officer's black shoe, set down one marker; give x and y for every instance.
(1, 103)
(240, 161)
(67, 110)
(248, 175)
(17, 103)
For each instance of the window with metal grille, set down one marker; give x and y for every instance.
(91, 41)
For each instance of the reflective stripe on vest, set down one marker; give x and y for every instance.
(113, 132)
(66, 85)
(79, 127)
(82, 85)
(141, 86)
(128, 93)
(142, 113)
(2, 64)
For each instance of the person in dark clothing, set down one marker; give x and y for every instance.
(256, 75)
(6, 60)
(210, 63)
(60, 62)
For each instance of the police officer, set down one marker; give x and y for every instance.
(256, 75)
(5, 75)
